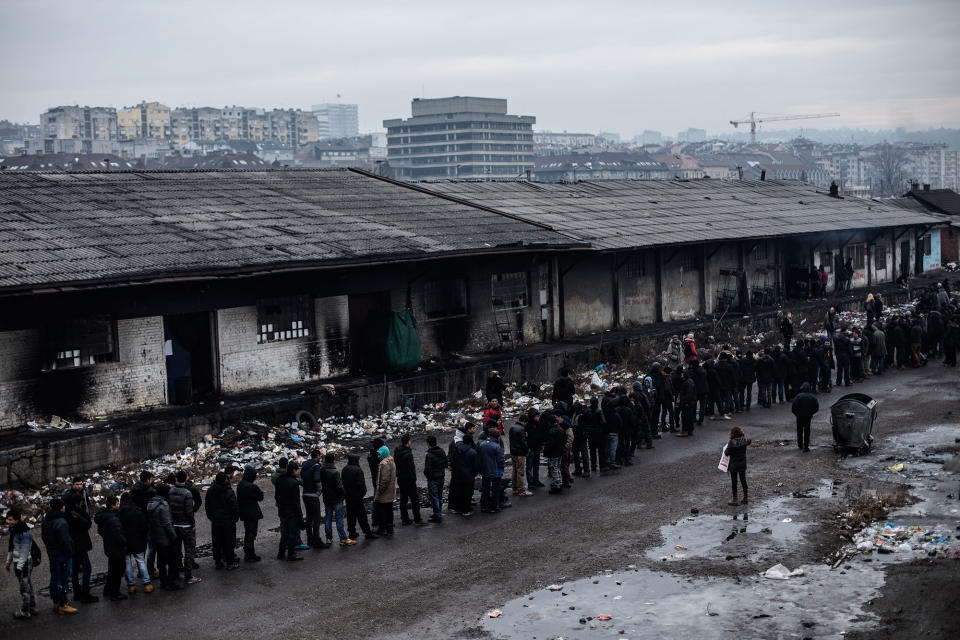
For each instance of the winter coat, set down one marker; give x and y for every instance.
(676, 379)
(916, 334)
(141, 494)
(611, 416)
(435, 464)
(805, 404)
(373, 463)
(134, 524)
(780, 365)
(491, 459)
(878, 344)
(249, 497)
(557, 441)
(406, 467)
(80, 523)
(800, 361)
(19, 545)
(563, 390)
(713, 377)
(354, 484)
(111, 530)
(331, 486)
(765, 369)
(287, 496)
(748, 370)
(841, 347)
(737, 450)
(310, 477)
(493, 414)
(465, 462)
(72, 494)
(386, 489)
(518, 440)
(786, 328)
(495, 388)
(688, 393)
(161, 525)
(725, 371)
(592, 420)
(181, 505)
(628, 416)
(674, 354)
(830, 321)
(689, 350)
(222, 507)
(55, 533)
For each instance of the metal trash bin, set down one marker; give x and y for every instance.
(852, 418)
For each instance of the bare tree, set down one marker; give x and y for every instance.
(889, 170)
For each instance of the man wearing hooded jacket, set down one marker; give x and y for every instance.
(804, 406)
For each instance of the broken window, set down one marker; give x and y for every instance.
(826, 261)
(509, 290)
(636, 266)
(927, 248)
(880, 257)
(760, 253)
(445, 298)
(280, 319)
(856, 253)
(80, 342)
(688, 260)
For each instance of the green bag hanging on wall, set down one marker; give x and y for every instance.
(403, 343)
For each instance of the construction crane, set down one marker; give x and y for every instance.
(753, 121)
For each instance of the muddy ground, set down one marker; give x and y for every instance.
(442, 581)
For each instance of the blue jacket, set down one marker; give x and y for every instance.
(491, 459)
(19, 546)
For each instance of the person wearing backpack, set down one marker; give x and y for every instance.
(23, 555)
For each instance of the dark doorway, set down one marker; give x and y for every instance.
(369, 314)
(188, 345)
(905, 258)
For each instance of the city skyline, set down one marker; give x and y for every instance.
(619, 67)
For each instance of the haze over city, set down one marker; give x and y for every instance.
(598, 66)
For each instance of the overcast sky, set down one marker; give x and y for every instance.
(621, 66)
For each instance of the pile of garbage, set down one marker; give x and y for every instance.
(937, 540)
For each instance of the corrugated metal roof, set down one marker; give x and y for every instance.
(621, 214)
(63, 228)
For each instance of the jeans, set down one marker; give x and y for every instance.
(581, 455)
(356, 514)
(435, 489)
(60, 569)
(151, 553)
(314, 517)
(780, 390)
(533, 468)
(289, 530)
(490, 493)
(27, 598)
(137, 564)
(332, 511)
(408, 492)
(250, 528)
(81, 569)
(612, 440)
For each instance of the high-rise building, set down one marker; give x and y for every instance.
(337, 120)
(79, 123)
(460, 137)
(650, 137)
(145, 120)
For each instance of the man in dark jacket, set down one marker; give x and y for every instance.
(223, 512)
(843, 352)
(564, 388)
(435, 471)
(495, 387)
(184, 523)
(164, 537)
(688, 404)
(641, 412)
(80, 523)
(249, 497)
(725, 370)
(628, 427)
(491, 470)
(141, 493)
(805, 405)
(535, 438)
(553, 447)
(373, 463)
(114, 547)
(310, 478)
(663, 392)
(56, 536)
(287, 496)
(333, 499)
(592, 419)
(407, 482)
(78, 490)
(465, 465)
(135, 530)
(748, 373)
(765, 379)
(715, 404)
(699, 375)
(354, 490)
(780, 371)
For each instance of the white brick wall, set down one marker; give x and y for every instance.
(244, 364)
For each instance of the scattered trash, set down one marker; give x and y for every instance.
(680, 547)
(896, 468)
(780, 572)
(788, 519)
(604, 616)
(555, 587)
(496, 613)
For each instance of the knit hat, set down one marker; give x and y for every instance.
(383, 452)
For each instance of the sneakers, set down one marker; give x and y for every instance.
(233, 565)
(20, 614)
(192, 580)
(348, 542)
(303, 547)
(148, 588)
(65, 609)
(419, 523)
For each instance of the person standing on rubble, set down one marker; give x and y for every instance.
(804, 407)
(830, 324)
(310, 479)
(563, 388)
(674, 352)
(494, 413)
(287, 496)
(333, 501)
(386, 492)
(249, 497)
(495, 387)
(406, 471)
(786, 330)
(224, 512)
(184, 523)
(55, 532)
(689, 350)
(79, 491)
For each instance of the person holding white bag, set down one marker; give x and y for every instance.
(737, 467)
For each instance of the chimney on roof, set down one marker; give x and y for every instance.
(926, 187)
(763, 174)
(834, 190)
(528, 175)
(915, 186)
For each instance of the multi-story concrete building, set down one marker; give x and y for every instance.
(145, 120)
(564, 139)
(337, 120)
(78, 123)
(460, 137)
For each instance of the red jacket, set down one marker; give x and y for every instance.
(493, 414)
(690, 349)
